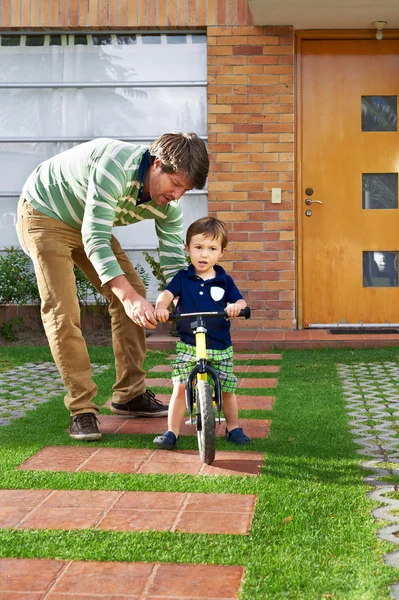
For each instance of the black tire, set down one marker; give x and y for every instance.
(206, 425)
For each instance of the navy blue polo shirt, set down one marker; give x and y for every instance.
(196, 294)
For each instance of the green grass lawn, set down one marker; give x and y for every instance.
(313, 536)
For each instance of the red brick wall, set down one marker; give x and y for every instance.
(251, 129)
(250, 123)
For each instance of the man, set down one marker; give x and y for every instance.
(66, 212)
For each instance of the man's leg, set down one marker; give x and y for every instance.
(50, 243)
(130, 396)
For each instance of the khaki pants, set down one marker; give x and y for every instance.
(54, 248)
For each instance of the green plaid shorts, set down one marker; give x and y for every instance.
(220, 360)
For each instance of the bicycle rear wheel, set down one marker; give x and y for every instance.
(206, 426)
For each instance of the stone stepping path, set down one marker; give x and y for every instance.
(237, 369)
(371, 391)
(127, 511)
(244, 402)
(132, 460)
(46, 579)
(247, 383)
(23, 388)
(256, 428)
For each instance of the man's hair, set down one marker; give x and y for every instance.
(209, 227)
(183, 152)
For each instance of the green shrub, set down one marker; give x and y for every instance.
(18, 286)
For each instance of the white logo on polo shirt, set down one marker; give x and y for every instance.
(217, 293)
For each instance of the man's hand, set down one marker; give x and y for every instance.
(136, 307)
(141, 312)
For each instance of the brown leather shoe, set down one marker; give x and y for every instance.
(145, 405)
(83, 426)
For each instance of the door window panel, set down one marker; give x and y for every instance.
(380, 269)
(379, 113)
(379, 190)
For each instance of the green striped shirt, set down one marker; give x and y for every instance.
(93, 187)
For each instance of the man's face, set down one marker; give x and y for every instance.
(165, 187)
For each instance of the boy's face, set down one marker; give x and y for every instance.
(204, 252)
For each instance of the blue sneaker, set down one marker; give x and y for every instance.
(237, 436)
(167, 441)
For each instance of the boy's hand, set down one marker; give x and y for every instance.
(162, 314)
(233, 310)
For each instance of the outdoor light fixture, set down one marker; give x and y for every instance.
(379, 25)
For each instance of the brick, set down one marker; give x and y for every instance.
(218, 187)
(232, 79)
(286, 60)
(247, 226)
(278, 147)
(247, 185)
(254, 70)
(232, 60)
(230, 157)
(233, 118)
(233, 216)
(264, 157)
(241, 12)
(232, 137)
(16, 13)
(264, 118)
(263, 99)
(231, 177)
(219, 89)
(248, 128)
(232, 99)
(222, 147)
(220, 50)
(245, 109)
(219, 108)
(231, 40)
(287, 235)
(248, 49)
(219, 31)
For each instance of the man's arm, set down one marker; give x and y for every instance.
(169, 230)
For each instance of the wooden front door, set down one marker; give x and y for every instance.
(349, 243)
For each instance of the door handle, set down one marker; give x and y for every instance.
(310, 201)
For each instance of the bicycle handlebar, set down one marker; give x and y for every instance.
(245, 312)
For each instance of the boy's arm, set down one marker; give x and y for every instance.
(161, 306)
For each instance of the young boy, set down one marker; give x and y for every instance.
(204, 286)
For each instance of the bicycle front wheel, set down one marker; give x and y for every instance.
(206, 425)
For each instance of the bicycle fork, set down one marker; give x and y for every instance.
(201, 371)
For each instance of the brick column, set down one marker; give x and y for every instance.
(250, 108)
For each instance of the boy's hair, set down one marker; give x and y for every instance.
(208, 226)
(183, 152)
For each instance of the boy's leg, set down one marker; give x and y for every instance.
(222, 361)
(177, 408)
(128, 341)
(50, 244)
(168, 440)
(230, 410)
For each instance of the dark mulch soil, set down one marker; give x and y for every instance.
(29, 337)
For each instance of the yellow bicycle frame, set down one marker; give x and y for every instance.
(200, 348)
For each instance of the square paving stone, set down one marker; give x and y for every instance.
(143, 461)
(29, 579)
(247, 382)
(211, 582)
(28, 576)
